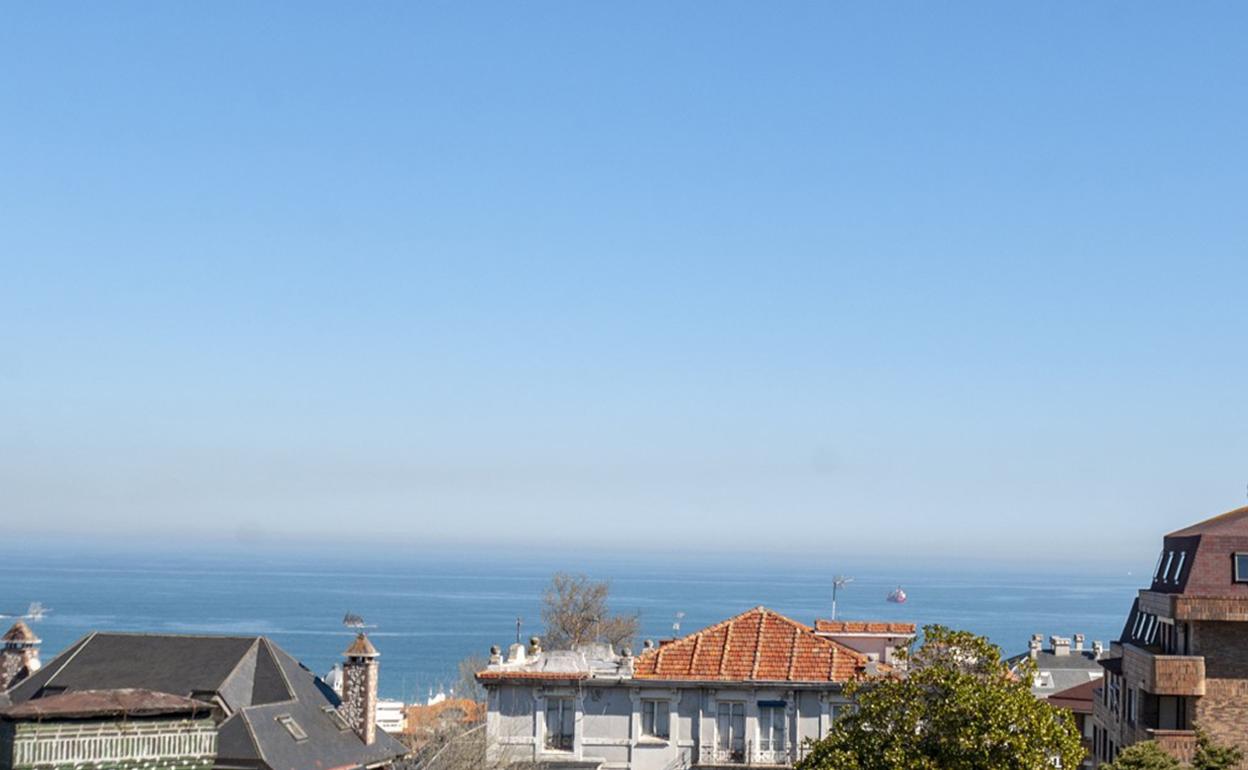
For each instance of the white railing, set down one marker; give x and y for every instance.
(746, 756)
(107, 744)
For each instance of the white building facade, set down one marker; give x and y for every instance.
(747, 691)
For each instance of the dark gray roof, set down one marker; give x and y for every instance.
(1060, 672)
(253, 681)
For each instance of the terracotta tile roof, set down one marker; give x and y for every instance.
(519, 674)
(863, 627)
(1077, 699)
(757, 645)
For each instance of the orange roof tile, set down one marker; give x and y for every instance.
(518, 674)
(757, 645)
(862, 627)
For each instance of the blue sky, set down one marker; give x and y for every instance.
(900, 279)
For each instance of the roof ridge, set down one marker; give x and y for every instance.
(1211, 521)
(758, 643)
(82, 645)
(797, 635)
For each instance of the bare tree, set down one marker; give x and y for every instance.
(466, 684)
(575, 611)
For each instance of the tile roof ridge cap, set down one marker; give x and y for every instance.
(758, 642)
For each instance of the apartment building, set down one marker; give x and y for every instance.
(1181, 663)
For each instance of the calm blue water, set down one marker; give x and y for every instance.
(431, 611)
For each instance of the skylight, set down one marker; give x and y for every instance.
(336, 717)
(292, 727)
(1166, 571)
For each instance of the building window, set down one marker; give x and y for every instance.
(560, 723)
(1178, 567)
(1131, 705)
(296, 731)
(771, 723)
(655, 719)
(730, 730)
(1241, 568)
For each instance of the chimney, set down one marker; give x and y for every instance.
(1061, 645)
(359, 688)
(1078, 642)
(1034, 646)
(1098, 649)
(20, 656)
(515, 653)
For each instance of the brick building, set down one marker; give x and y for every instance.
(1182, 661)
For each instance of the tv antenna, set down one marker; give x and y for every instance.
(676, 623)
(838, 582)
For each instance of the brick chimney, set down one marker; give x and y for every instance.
(359, 688)
(19, 657)
(1061, 645)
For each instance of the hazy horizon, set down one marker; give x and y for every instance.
(914, 282)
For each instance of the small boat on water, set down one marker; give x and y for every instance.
(898, 596)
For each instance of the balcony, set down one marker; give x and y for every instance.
(1165, 674)
(1180, 744)
(749, 756)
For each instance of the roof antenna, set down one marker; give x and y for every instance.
(838, 582)
(676, 623)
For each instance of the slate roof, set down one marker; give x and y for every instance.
(1062, 671)
(863, 627)
(251, 680)
(757, 645)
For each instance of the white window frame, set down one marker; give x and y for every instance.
(1238, 578)
(656, 706)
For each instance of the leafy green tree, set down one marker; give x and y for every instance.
(958, 707)
(1212, 756)
(1145, 755)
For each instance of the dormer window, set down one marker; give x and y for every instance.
(1241, 568)
(1178, 566)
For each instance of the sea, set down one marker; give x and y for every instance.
(428, 609)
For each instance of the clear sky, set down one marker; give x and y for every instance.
(883, 278)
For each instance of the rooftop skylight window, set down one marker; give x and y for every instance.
(1157, 570)
(1165, 572)
(292, 727)
(336, 717)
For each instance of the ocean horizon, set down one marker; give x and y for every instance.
(430, 609)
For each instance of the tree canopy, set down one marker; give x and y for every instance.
(958, 707)
(575, 611)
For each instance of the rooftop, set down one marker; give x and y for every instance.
(863, 627)
(757, 645)
(1230, 523)
(129, 702)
